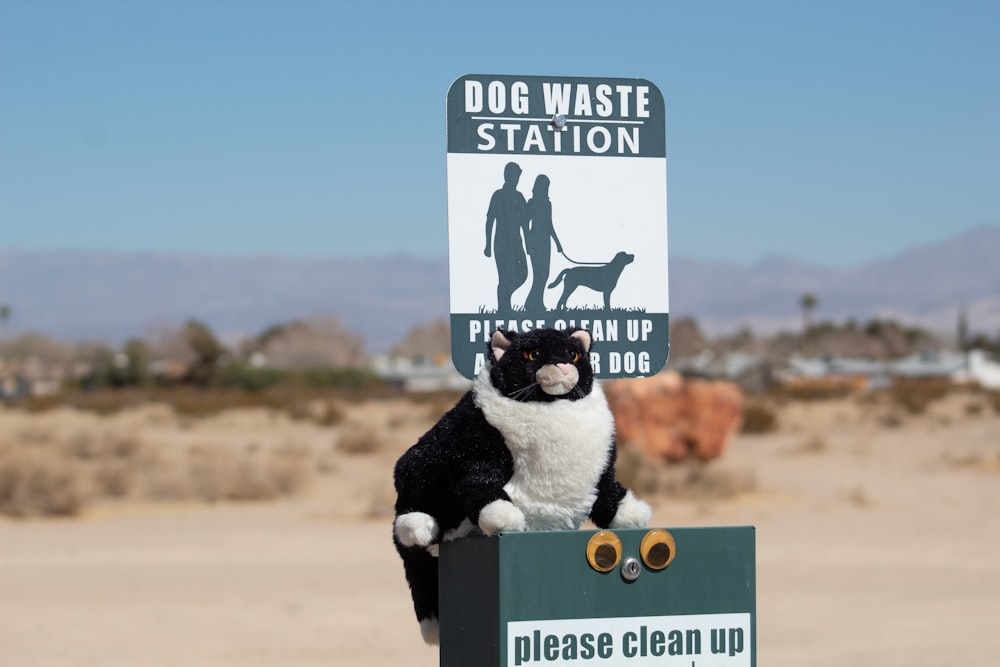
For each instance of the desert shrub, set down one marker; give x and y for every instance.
(994, 399)
(288, 395)
(34, 435)
(99, 401)
(973, 458)
(88, 447)
(35, 480)
(815, 444)
(891, 420)
(713, 480)
(290, 469)
(436, 402)
(973, 409)
(814, 391)
(114, 478)
(690, 479)
(859, 497)
(115, 462)
(324, 413)
(245, 377)
(332, 415)
(165, 481)
(759, 418)
(61, 478)
(915, 395)
(222, 473)
(341, 378)
(630, 468)
(359, 439)
(196, 402)
(270, 474)
(437, 409)
(210, 471)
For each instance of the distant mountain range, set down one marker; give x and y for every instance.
(111, 296)
(926, 285)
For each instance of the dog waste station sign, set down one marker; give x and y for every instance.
(534, 599)
(557, 216)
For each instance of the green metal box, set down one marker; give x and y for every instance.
(535, 599)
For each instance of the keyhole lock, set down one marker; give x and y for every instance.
(631, 569)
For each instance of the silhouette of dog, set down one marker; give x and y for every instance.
(603, 278)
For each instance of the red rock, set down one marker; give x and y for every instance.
(674, 419)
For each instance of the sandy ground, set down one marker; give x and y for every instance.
(878, 543)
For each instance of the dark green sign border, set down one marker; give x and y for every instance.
(601, 116)
(626, 344)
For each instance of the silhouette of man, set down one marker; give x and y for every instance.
(538, 241)
(508, 211)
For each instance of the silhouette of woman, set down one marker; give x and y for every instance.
(509, 211)
(539, 239)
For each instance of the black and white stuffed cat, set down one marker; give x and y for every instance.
(530, 447)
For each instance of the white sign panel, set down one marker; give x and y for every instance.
(557, 215)
(702, 640)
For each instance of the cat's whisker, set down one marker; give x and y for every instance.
(521, 393)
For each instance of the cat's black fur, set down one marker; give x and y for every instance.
(465, 463)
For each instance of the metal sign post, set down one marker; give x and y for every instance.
(557, 215)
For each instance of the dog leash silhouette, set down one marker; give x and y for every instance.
(599, 276)
(573, 261)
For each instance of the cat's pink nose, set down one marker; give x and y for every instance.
(565, 368)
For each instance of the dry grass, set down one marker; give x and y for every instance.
(814, 444)
(35, 480)
(985, 461)
(915, 395)
(359, 439)
(310, 403)
(813, 392)
(438, 402)
(61, 478)
(250, 474)
(694, 479)
(993, 398)
(316, 410)
(113, 453)
(859, 497)
(759, 418)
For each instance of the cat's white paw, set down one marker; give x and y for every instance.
(430, 630)
(415, 529)
(632, 513)
(501, 516)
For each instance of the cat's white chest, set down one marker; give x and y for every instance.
(560, 449)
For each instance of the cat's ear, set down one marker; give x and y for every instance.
(499, 344)
(584, 337)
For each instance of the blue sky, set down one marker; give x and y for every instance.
(835, 132)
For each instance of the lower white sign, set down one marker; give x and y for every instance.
(700, 640)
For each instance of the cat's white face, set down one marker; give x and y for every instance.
(541, 365)
(557, 379)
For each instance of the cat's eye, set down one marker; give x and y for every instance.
(531, 356)
(576, 357)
